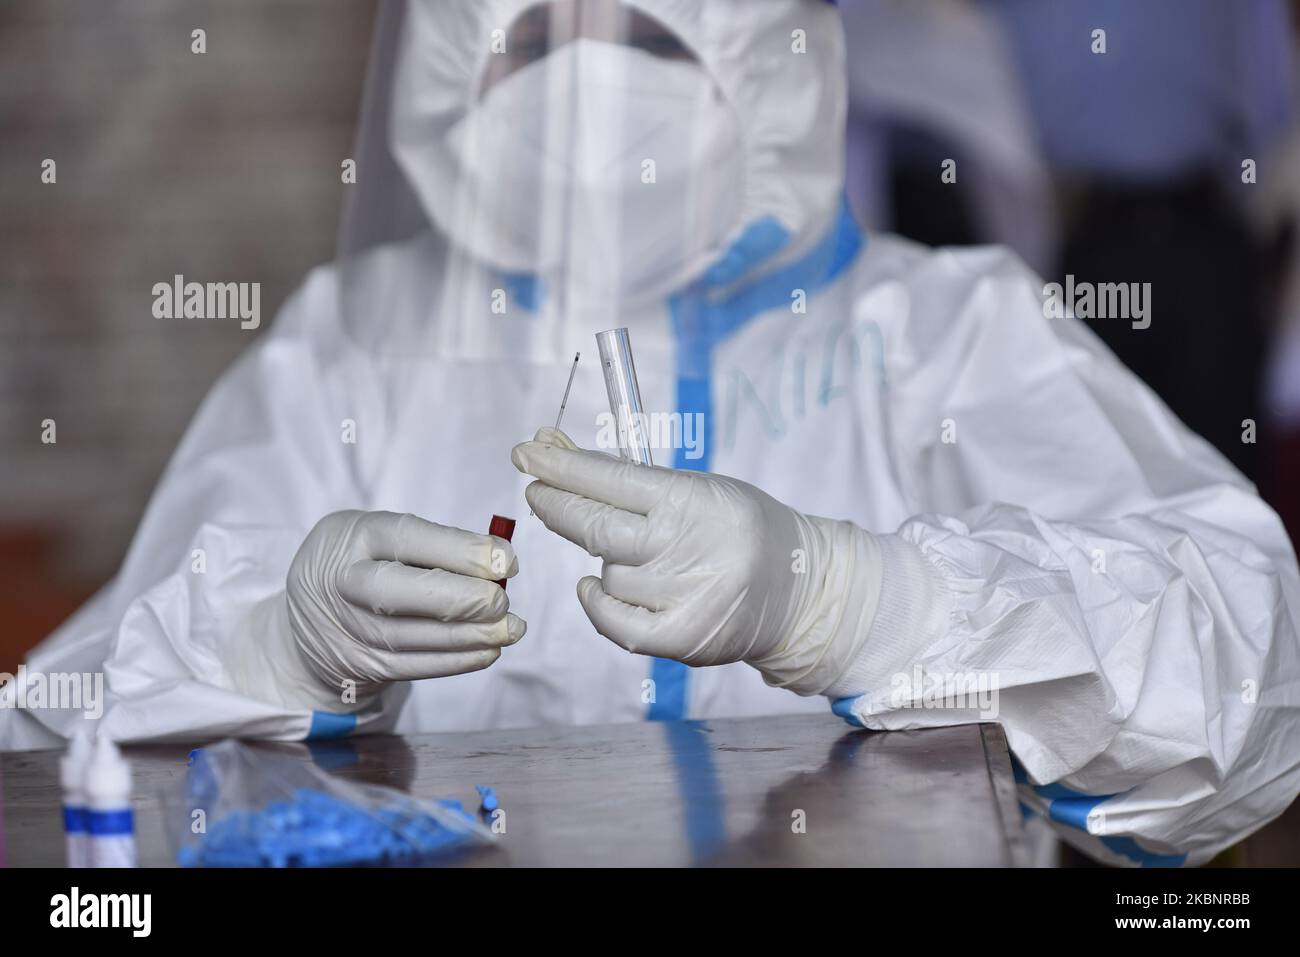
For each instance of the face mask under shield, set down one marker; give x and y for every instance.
(583, 163)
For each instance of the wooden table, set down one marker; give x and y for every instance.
(784, 791)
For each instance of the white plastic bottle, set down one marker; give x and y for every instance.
(110, 823)
(72, 773)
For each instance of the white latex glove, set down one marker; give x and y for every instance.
(373, 598)
(707, 569)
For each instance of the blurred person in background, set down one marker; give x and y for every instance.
(933, 82)
(1277, 216)
(1146, 128)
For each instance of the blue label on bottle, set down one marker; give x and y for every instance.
(74, 820)
(109, 823)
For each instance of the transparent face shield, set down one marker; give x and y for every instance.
(526, 166)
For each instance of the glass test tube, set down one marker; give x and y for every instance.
(624, 394)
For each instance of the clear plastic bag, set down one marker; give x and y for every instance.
(245, 806)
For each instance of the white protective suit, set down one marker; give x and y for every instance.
(1059, 529)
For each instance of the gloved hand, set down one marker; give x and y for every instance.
(372, 598)
(707, 569)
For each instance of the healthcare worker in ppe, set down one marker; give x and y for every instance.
(1002, 499)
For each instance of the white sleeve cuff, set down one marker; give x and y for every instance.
(912, 612)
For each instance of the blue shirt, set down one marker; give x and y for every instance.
(1183, 84)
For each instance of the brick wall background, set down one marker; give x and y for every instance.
(220, 166)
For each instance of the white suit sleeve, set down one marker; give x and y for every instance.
(262, 461)
(1084, 570)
